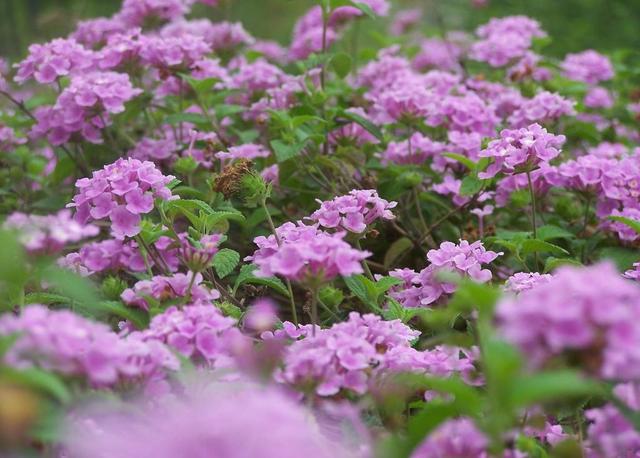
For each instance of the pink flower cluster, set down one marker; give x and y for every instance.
(521, 150)
(544, 107)
(48, 234)
(304, 253)
(199, 332)
(415, 150)
(588, 66)
(67, 343)
(341, 357)
(121, 192)
(567, 317)
(48, 62)
(505, 39)
(115, 255)
(165, 289)
(84, 107)
(424, 287)
(524, 281)
(353, 212)
(454, 438)
(234, 421)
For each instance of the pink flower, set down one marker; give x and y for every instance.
(305, 252)
(588, 66)
(521, 150)
(354, 211)
(121, 191)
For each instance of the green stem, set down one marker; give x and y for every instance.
(272, 226)
(533, 214)
(314, 310)
(365, 266)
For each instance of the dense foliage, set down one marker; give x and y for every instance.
(217, 246)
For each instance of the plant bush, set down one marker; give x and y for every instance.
(217, 246)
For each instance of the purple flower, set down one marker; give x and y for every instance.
(353, 212)
(521, 150)
(415, 150)
(84, 107)
(50, 61)
(589, 314)
(48, 234)
(199, 332)
(588, 66)
(67, 343)
(453, 439)
(304, 252)
(424, 287)
(544, 107)
(524, 281)
(598, 97)
(121, 191)
(163, 288)
(211, 419)
(247, 151)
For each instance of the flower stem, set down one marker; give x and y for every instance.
(314, 310)
(365, 266)
(533, 214)
(294, 313)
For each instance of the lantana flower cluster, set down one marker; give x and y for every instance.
(121, 192)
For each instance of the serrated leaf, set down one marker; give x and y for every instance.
(365, 290)
(139, 318)
(225, 261)
(285, 151)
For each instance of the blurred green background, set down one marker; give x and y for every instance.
(573, 24)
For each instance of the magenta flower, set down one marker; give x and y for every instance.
(425, 288)
(247, 151)
(544, 107)
(589, 66)
(162, 288)
(566, 317)
(521, 150)
(121, 192)
(84, 108)
(524, 281)
(50, 61)
(67, 343)
(454, 438)
(48, 234)
(304, 253)
(199, 332)
(354, 211)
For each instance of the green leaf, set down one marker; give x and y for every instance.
(40, 380)
(193, 118)
(366, 9)
(80, 290)
(246, 276)
(225, 261)
(470, 185)
(533, 389)
(284, 151)
(550, 232)
(540, 246)
(341, 64)
(464, 160)
(139, 318)
(364, 122)
(622, 257)
(396, 250)
(632, 223)
(365, 290)
(552, 263)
